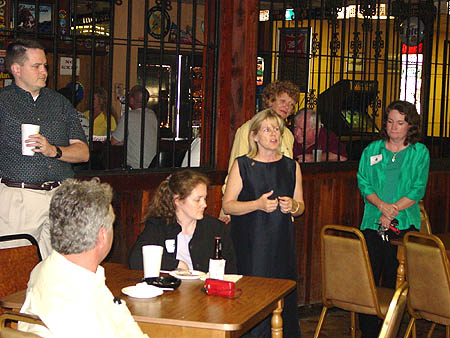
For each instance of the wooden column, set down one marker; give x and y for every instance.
(237, 72)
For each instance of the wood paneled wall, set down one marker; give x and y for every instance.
(330, 190)
(236, 92)
(331, 196)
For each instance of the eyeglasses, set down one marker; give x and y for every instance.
(269, 130)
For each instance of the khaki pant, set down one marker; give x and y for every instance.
(25, 211)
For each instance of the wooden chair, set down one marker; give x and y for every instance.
(394, 316)
(9, 332)
(347, 278)
(13, 278)
(425, 226)
(428, 276)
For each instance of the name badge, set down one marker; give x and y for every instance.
(375, 159)
(170, 245)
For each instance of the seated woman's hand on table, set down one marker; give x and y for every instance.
(182, 266)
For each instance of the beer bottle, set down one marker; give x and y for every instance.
(217, 263)
(217, 248)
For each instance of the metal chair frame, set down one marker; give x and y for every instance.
(420, 238)
(12, 316)
(375, 292)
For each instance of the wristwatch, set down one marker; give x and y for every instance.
(58, 152)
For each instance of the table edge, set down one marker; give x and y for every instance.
(215, 326)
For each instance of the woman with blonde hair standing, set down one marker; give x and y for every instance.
(100, 115)
(264, 191)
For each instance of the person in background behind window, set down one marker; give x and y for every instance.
(100, 116)
(281, 96)
(392, 178)
(67, 93)
(195, 149)
(67, 290)
(305, 139)
(136, 99)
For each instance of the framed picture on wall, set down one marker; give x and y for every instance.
(293, 56)
(27, 17)
(5, 76)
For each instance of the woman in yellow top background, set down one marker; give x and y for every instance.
(100, 116)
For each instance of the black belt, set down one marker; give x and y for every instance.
(44, 186)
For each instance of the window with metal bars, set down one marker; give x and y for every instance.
(98, 50)
(350, 60)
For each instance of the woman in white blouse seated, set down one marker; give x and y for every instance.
(176, 221)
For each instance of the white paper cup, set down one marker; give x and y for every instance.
(152, 255)
(317, 155)
(27, 130)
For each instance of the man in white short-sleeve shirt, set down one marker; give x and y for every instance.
(137, 96)
(67, 290)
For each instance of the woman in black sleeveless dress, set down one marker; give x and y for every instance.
(264, 191)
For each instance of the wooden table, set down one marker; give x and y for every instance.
(401, 257)
(188, 312)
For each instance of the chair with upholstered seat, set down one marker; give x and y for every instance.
(13, 278)
(13, 317)
(347, 278)
(395, 313)
(428, 276)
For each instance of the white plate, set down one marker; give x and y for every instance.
(142, 290)
(191, 274)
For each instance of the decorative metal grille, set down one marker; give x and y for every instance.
(161, 44)
(365, 55)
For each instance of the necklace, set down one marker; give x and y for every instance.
(395, 156)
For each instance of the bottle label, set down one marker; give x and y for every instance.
(216, 268)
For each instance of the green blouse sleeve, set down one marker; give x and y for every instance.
(364, 175)
(420, 169)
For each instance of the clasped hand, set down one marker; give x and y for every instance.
(389, 210)
(385, 222)
(266, 204)
(269, 205)
(286, 204)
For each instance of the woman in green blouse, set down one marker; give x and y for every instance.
(392, 178)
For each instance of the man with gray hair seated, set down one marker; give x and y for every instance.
(311, 135)
(67, 290)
